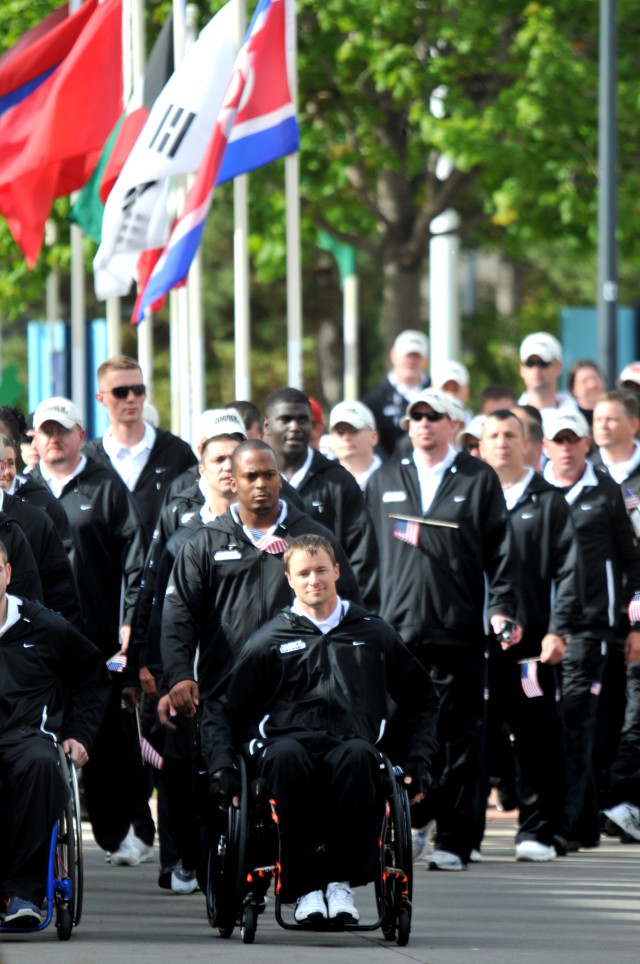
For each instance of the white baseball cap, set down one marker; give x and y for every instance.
(218, 421)
(451, 371)
(542, 345)
(356, 414)
(630, 373)
(566, 421)
(438, 401)
(57, 409)
(411, 341)
(473, 429)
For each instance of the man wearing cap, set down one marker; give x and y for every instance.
(354, 438)
(442, 527)
(330, 494)
(107, 558)
(524, 680)
(453, 378)
(540, 369)
(629, 377)
(616, 423)
(609, 553)
(388, 401)
(147, 459)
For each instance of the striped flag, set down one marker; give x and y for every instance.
(117, 663)
(596, 688)
(272, 544)
(407, 531)
(150, 755)
(256, 124)
(634, 608)
(529, 678)
(631, 499)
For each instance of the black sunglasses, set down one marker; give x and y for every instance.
(430, 416)
(537, 363)
(122, 391)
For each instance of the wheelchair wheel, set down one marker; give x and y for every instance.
(78, 854)
(65, 874)
(249, 923)
(226, 865)
(396, 890)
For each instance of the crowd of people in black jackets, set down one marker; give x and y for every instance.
(491, 563)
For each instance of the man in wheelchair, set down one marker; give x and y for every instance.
(309, 697)
(53, 684)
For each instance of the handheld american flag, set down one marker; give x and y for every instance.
(117, 663)
(256, 124)
(529, 678)
(631, 499)
(634, 608)
(407, 531)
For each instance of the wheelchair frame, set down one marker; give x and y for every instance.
(65, 874)
(235, 889)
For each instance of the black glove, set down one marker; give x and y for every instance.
(417, 769)
(224, 785)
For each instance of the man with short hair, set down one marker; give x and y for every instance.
(616, 421)
(496, 396)
(609, 555)
(524, 684)
(107, 552)
(147, 459)
(228, 579)
(445, 543)
(250, 415)
(330, 494)
(320, 676)
(388, 401)
(533, 434)
(54, 686)
(354, 438)
(540, 369)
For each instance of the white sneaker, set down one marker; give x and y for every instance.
(627, 817)
(128, 853)
(418, 842)
(183, 881)
(145, 851)
(310, 907)
(475, 857)
(443, 860)
(535, 851)
(340, 902)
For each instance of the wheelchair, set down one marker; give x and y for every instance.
(64, 885)
(244, 858)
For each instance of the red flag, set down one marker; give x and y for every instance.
(51, 140)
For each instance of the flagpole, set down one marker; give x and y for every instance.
(194, 290)
(138, 62)
(242, 303)
(78, 307)
(292, 201)
(179, 301)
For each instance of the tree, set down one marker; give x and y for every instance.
(409, 108)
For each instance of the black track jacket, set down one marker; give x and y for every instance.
(169, 457)
(435, 592)
(108, 546)
(221, 589)
(292, 680)
(39, 655)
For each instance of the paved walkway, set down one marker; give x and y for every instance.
(580, 909)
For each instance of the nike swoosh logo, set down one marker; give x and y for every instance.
(459, 498)
(159, 470)
(585, 506)
(358, 642)
(84, 507)
(527, 515)
(28, 645)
